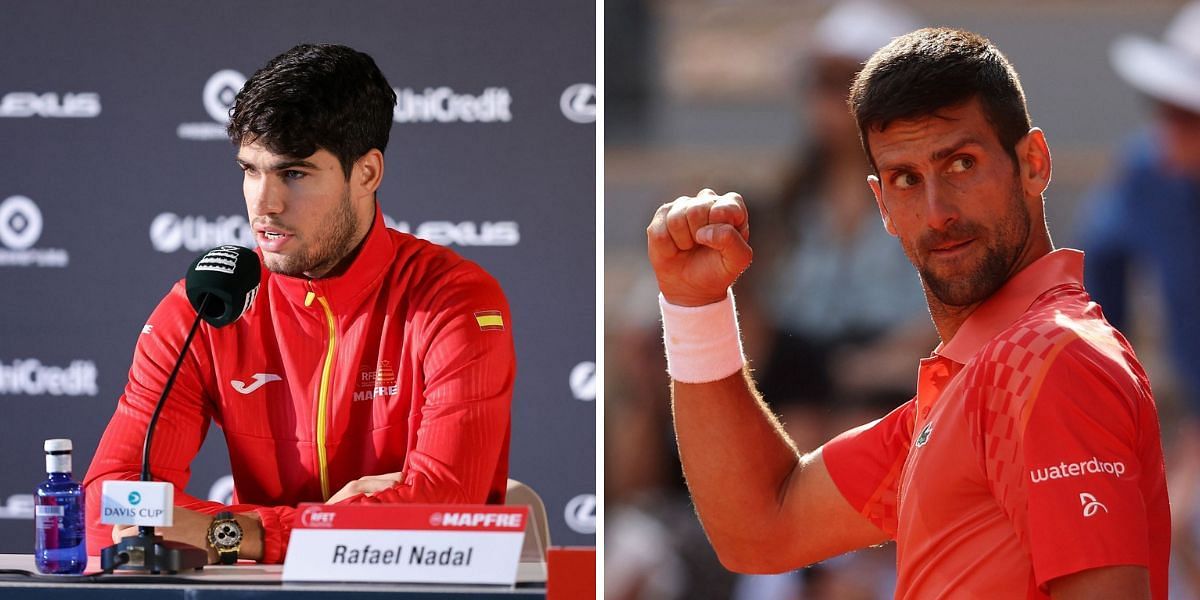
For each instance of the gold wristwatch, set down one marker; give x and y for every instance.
(225, 536)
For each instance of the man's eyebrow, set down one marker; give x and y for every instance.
(281, 165)
(955, 147)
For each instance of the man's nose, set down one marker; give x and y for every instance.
(941, 207)
(263, 196)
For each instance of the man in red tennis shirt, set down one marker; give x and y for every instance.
(372, 366)
(1029, 464)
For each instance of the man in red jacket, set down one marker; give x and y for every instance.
(372, 367)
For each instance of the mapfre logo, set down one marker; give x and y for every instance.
(32, 378)
(20, 228)
(170, 232)
(462, 233)
(79, 105)
(578, 103)
(444, 105)
(454, 519)
(219, 93)
(379, 381)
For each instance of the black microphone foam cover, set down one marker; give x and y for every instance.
(228, 276)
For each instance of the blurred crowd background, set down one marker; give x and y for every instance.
(749, 96)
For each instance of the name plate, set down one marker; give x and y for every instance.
(406, 543)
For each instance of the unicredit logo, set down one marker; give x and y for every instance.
(444, 105)
(1076, 469)
(32, 378)
(20, 228)
(170, 232)
(578, 103)
(218, 95)
(82, 105)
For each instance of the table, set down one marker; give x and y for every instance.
(233, 582)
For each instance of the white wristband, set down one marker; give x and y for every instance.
(703, 342)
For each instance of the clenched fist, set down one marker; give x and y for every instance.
(698, 246)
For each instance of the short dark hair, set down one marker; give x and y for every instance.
(927, 70)
(312, 97)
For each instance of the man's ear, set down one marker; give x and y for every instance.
(1033, 154)
(367, 173)
(877, 189)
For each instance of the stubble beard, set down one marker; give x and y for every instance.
(329, 245)
(1008, 240)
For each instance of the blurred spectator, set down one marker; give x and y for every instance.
(843, 319)
(1142, 220)
(847, 309)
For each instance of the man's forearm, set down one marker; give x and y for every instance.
(735, 456)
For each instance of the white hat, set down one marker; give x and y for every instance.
(1170, 70)
(855, 29)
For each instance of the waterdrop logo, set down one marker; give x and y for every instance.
(580, 514)
(583, 381)
(170, 232)
(219, 93)
(20, 228)
(578, 103)
(135, 498)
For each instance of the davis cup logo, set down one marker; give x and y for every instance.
(135, 498)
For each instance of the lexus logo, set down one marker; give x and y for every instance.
(580, 514)
(578, 103)
(583, 381)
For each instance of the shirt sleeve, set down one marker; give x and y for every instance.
(865, 464)
(460, 454)
(182, 424)
(1064, 464)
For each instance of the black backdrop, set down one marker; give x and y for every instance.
(114, 174)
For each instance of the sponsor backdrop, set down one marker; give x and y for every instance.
(115, 172)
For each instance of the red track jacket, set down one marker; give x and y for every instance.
(404, 362)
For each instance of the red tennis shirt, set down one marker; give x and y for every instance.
(1030, 452)
(404, 362)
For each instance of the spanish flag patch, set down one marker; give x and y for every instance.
(489, 320)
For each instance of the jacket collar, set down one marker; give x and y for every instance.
(1013, 299)
(343, 291)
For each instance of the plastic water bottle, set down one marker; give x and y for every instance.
(61, 538)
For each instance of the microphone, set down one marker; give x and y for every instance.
(221, 285)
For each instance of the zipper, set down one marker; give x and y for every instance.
(323, 392)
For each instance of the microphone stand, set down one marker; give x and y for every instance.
(147, 550)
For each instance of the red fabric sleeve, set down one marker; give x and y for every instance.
(182, 424)
(181, 428)
(469, 368)
(1064, 465)
(865, 464)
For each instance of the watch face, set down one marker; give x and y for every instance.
(225, 534)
